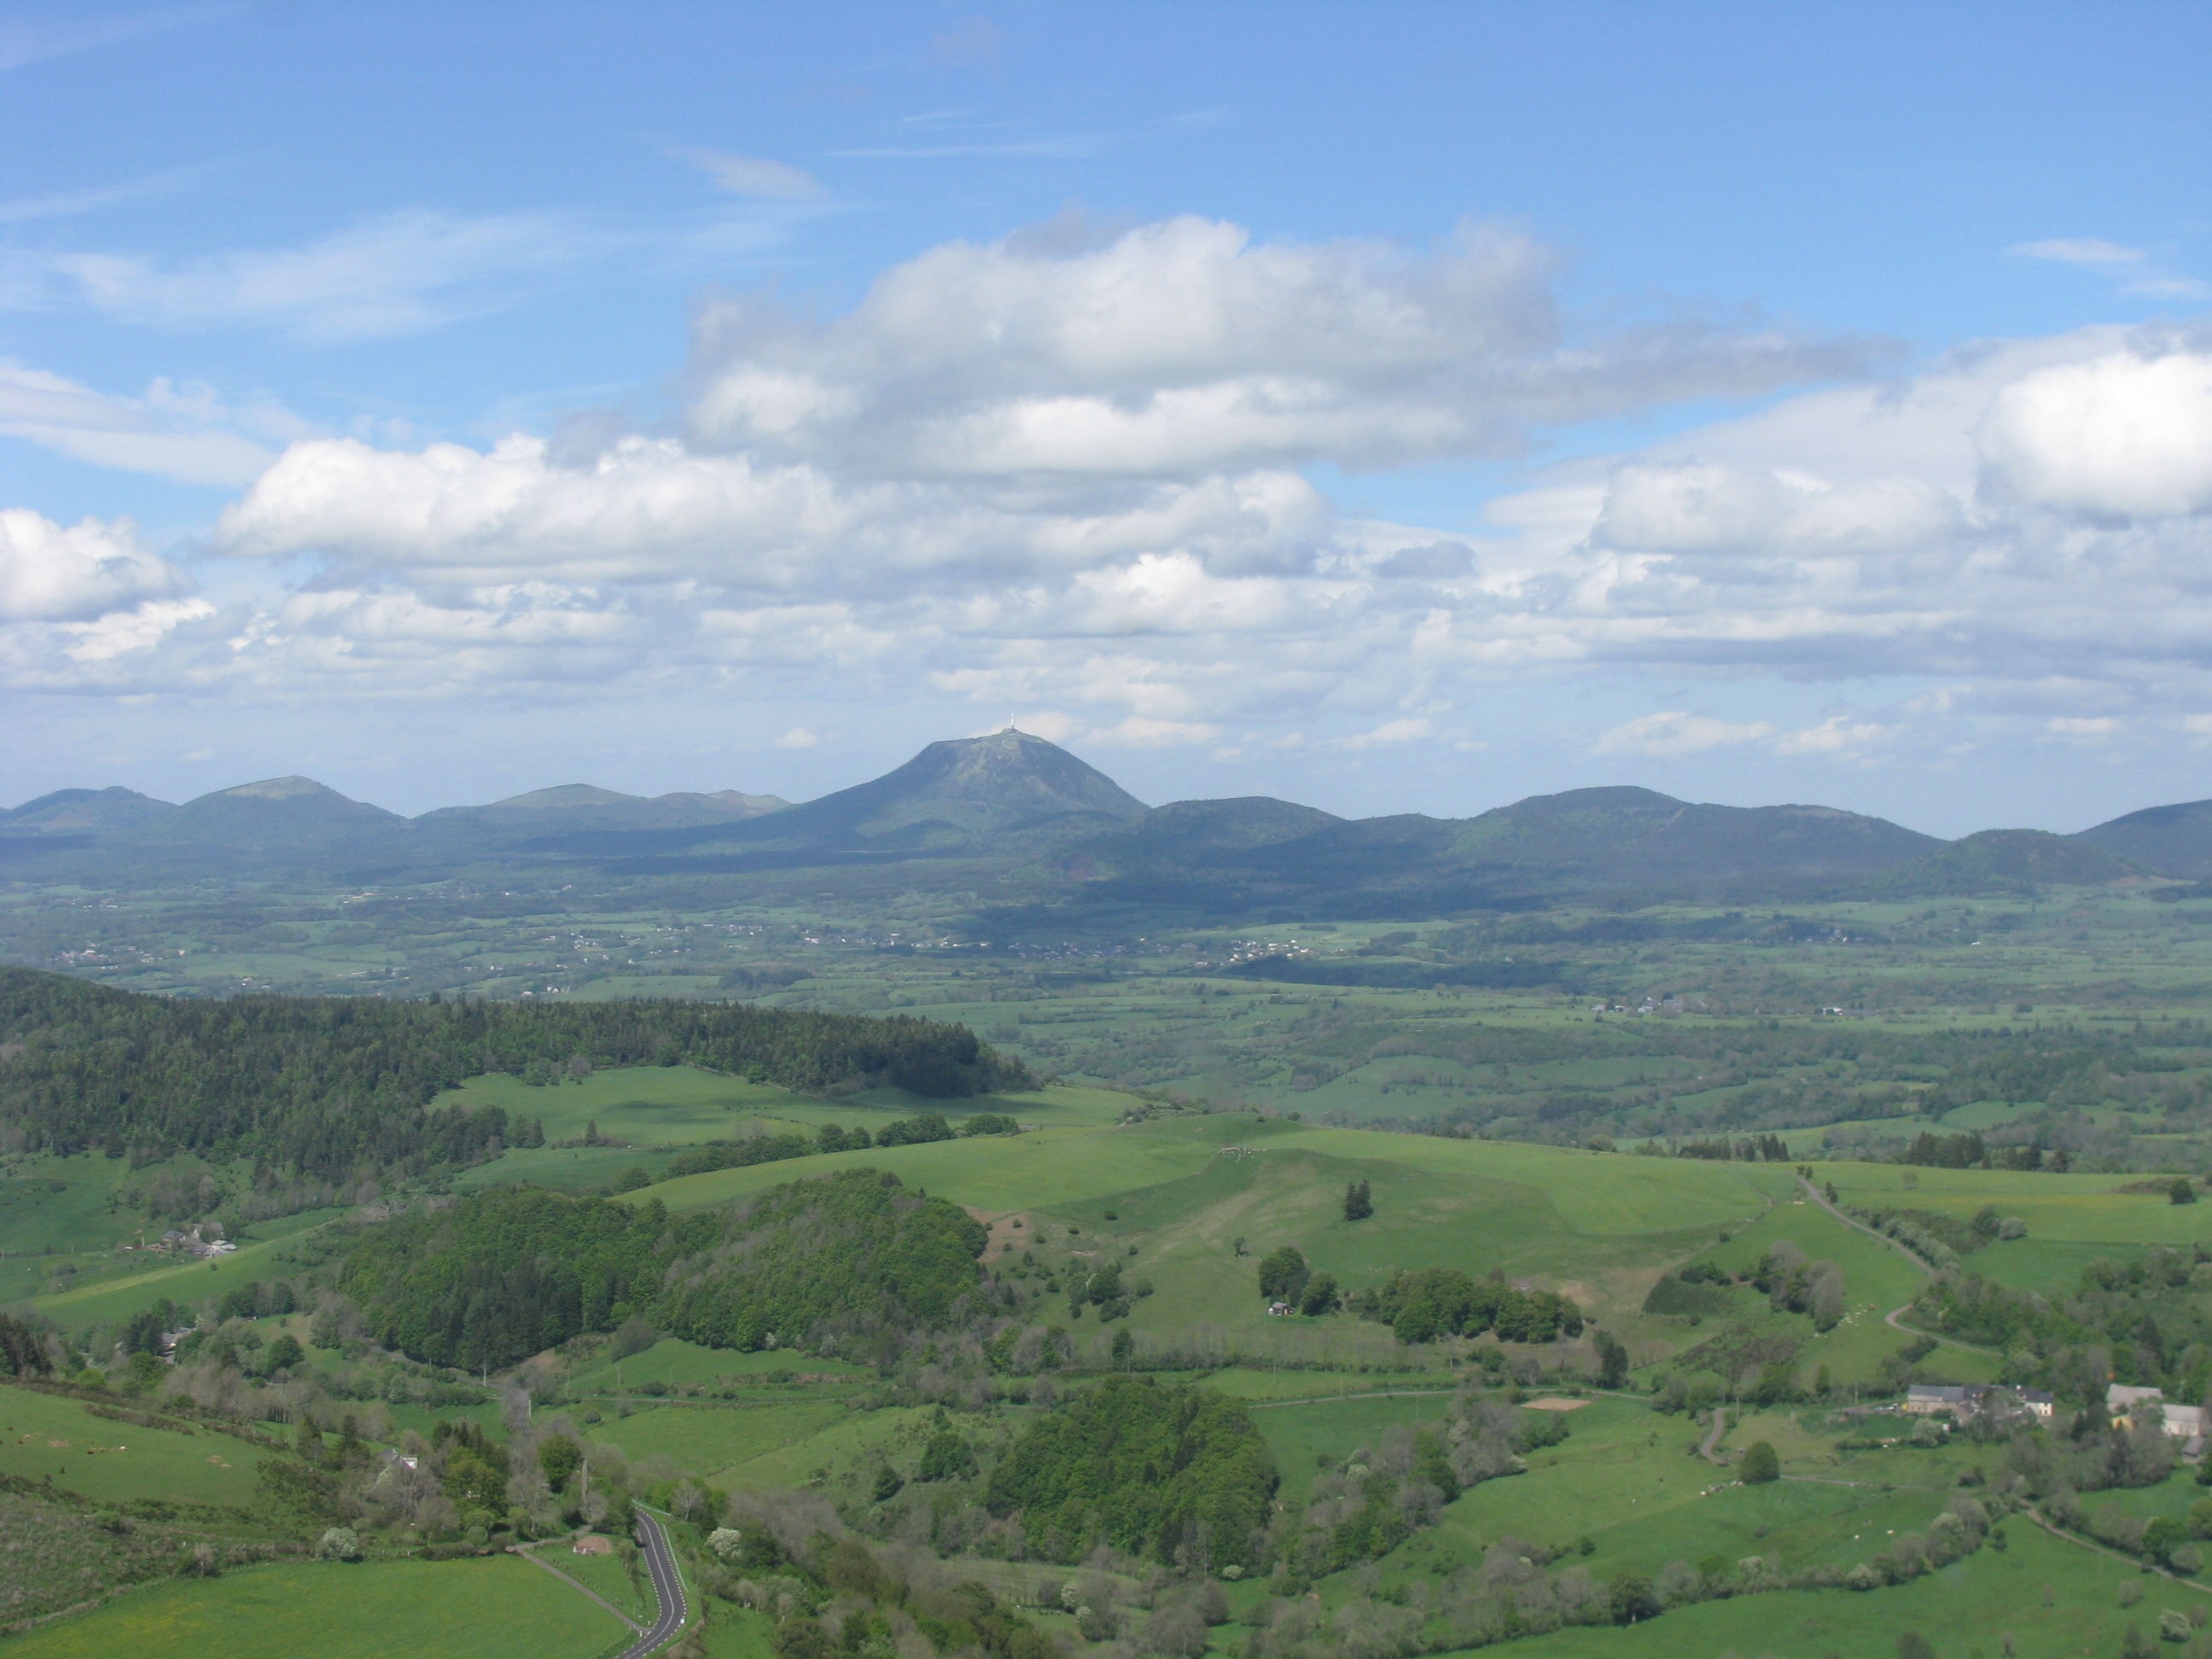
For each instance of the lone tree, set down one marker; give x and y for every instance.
(1359, 1204)
(1611, 1361)
(1761, 1465)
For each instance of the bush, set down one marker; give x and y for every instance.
(1633, 1599)
(946, 1457)
(1761, 1465)
(1282, 1274)
(1321, 1296)
(340, 1543)
(915, 1131)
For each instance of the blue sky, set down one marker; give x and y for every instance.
(1390, 407)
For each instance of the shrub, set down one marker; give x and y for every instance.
(1282, 1274)
(1320, 1297)
(1761, 1465)
(1632, 1598)
(946, 1457)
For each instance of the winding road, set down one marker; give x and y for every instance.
(1894, 1317)
(667, 1588)
(1710, 1451)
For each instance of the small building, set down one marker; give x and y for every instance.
(1927, 1399)
(2125, 1403)
(1279, 1310)
(1973, 1399)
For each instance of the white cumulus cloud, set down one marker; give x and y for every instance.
(2121, 435)
(50, 574)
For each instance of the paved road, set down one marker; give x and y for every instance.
(667, 1585)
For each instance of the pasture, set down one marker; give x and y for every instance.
(45, 1437)
(717, 1441)
(496, 1608)
(2053, 1599)
(2059, 1208)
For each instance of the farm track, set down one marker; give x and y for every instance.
(1895, 1318)
(1710, 1450)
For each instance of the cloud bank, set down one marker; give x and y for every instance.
(1072, 472)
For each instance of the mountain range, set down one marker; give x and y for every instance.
(1035, 831)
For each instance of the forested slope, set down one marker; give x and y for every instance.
(331, 1085)
(500, 1275)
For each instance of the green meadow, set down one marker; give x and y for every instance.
(605, 1575)
(674, 1361)
(2050, 1599)
(499, 1609)
(715, 1440)
(47, 1436)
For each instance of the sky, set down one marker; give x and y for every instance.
(1388, 407)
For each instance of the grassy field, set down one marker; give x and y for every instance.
(681, 1105)
(2063, 1208)
(607, 1577)
(1877, 1276)
(500, 1609)
(1183, 1191)
(125, 1292)
(46, 1437)
(1626, 1480)
(2053, 1600)
(714, 1441)
(651, 1105)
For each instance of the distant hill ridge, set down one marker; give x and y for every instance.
(1027, 808)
